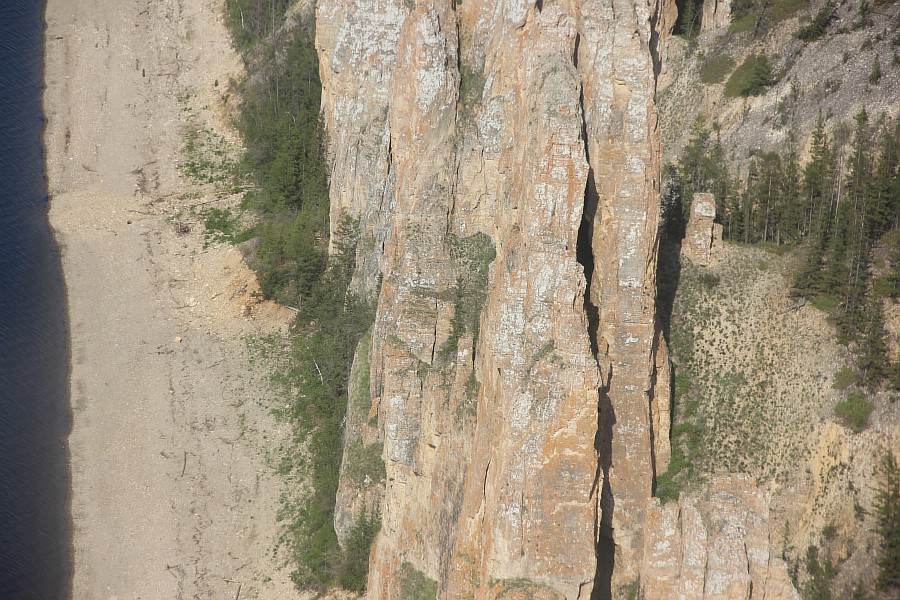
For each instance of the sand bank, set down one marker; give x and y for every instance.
(171, 496)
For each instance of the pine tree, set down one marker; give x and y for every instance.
(693, 165)
(817, 177)
(792, 210)
(873, 361)
(810, 280)
(885, 185)
(887, 510)
(875, 74)
(690, 17)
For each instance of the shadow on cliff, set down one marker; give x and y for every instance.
(605, 549)
(668, 266)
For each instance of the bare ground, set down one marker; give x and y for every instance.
(171, 493)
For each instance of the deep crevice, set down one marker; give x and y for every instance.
(584, 253)
(606, 546)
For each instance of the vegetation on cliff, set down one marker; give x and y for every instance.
(285, 161)
(887, 507)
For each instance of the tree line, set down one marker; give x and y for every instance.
(841, 205)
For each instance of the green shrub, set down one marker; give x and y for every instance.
(715, 70)
(854, 411)
(219, 226)
(471, 86)
(845, 378)
(631, 590)
(751, 78)
(415, 585)
(743, 24)
(472, 257)
(816, 28)
(354, 568)
(779, 10)
(822, 571)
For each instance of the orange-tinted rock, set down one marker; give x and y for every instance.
(714, 546)
(503, 161)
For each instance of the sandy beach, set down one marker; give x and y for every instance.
(171, 493)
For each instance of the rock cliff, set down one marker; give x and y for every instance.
(502, 159)
(713, 546)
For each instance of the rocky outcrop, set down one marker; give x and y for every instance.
(715, 14)
(703, 236)
(502, 159)
(713, 546)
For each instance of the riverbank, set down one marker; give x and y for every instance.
(171, 495)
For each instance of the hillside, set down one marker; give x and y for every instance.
(830, 75)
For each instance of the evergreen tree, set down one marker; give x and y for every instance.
(893, 275)
(689, 19)
(887, 510)
(873, 361)
(791, 209)
(694, 165)
(810, 280)
(885, 185)
(875, 74)
(817, 178)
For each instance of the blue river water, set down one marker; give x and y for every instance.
(35, 419)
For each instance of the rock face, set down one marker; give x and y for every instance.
(703, 236)
(502, 159)
(716, 14)
(713, 546)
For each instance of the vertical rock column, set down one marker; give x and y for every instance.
(616, 61)
(526, 527)
(413, 355)
(357, 43)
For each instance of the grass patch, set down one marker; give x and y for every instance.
(207, 159)
(365, 465)
(854, 411)
(844, 378)
(825, 302)
(415, 585)
(685, 441)
(519, 587)
(219, 226)
(715, 70)
(751, 78)
(744, 24)
(780, 10)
